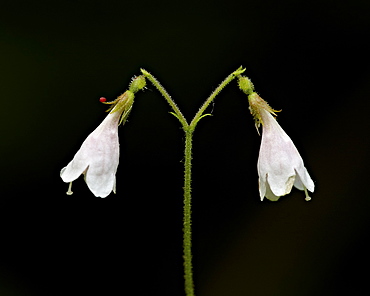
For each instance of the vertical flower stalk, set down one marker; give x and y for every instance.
(98, 157)
(280, 166)
(187, 230)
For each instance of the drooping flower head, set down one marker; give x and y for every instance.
(98, 156)
(280, 166)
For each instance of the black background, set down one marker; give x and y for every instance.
(308, 58)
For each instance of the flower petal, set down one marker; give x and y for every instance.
(281, 186)
(100, 175)
(75, 167)
(279, 165)
(304, 180)
(97, 158)
(262, 186)
(101, 185)
(270, 195)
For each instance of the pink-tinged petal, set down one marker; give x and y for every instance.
(281, 186)
(270, 195)
(97, 158)
(75, 167)
(279, 162)
(275, 160)
(262, 186)
(100, 176)
(303, 180)
(101, 185)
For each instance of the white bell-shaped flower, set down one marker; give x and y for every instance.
(280, 166)
(98, 156)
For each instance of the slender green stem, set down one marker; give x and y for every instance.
(228, 79)
(188, 266)
(168, 98)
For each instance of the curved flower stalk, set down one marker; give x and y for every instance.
(280, 166)
(98, 157)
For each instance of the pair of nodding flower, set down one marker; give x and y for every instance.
(280, 166)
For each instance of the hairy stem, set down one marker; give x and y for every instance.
(228, 79)
(168, 98)
(188, 267)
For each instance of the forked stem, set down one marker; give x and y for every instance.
(189, 129)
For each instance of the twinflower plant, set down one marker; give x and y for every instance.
(280, 167)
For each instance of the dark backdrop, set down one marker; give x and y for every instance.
(308, 58)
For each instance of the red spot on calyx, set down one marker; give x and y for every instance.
(102, 99)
